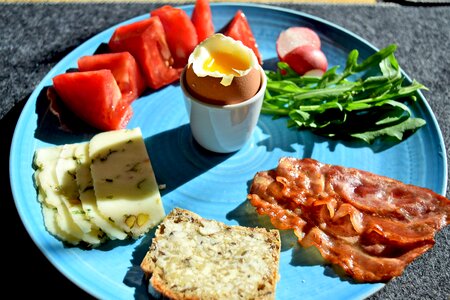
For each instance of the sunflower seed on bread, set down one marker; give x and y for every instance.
(194, 258)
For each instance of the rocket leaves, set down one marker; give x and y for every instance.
(365, 101)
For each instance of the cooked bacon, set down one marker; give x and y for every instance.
(371, 226)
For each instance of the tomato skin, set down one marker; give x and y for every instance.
(146, 41)
(239, 29)
(202, 19)
(180, 33)
(124, 69)
(94, 97)
(305, 58)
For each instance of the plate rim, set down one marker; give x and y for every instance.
(38, 88)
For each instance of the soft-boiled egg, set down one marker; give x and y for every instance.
(222, 71)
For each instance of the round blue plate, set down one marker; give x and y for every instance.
(215, 186)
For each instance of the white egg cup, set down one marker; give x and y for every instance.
(223, 128)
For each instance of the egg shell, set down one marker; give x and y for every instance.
(209, 89)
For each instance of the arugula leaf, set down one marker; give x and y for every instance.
(371, 106)
(397, 131)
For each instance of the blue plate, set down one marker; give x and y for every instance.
(215, 186)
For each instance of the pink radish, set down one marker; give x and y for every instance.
(314, 73)
(294, 37)
(305, 58)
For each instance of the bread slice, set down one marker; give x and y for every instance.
(194, 258)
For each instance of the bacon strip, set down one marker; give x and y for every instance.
(370, 225)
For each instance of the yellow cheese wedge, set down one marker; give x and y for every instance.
(124, 182)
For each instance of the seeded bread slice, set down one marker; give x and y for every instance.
(195, 258)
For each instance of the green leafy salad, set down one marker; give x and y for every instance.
(365, 101)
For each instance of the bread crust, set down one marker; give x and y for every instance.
(194, 258)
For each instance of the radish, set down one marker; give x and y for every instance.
(314, 73)
(294, 37)
(305, 58)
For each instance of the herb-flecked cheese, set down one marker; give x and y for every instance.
(65, 168)
(87, 194)
(124, 182)
(57, 218)
(112, 194)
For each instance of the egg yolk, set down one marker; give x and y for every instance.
(225, 63)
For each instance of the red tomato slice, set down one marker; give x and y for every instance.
(239, 29)
(94, 97)
(180, 33)
(146, 41)
(124, 68)
(202, 19)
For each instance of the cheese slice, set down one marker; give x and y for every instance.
(65, 169)
(50, 214)
(57, 218)
(104, 188)
(124, 182)
(87, 195)
(50, 222)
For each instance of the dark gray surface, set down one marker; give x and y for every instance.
(34, 37)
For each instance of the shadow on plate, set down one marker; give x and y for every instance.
(311, 257)
(289, 138)
(177, 158)
(135, 277)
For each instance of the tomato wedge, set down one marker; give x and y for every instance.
(94, 97)
(146, 41)
(239, 29)
(124, 68)
(202, 19)
(180, 33)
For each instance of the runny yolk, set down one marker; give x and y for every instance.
(225, 63)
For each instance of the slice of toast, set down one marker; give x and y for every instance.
(195, 258)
